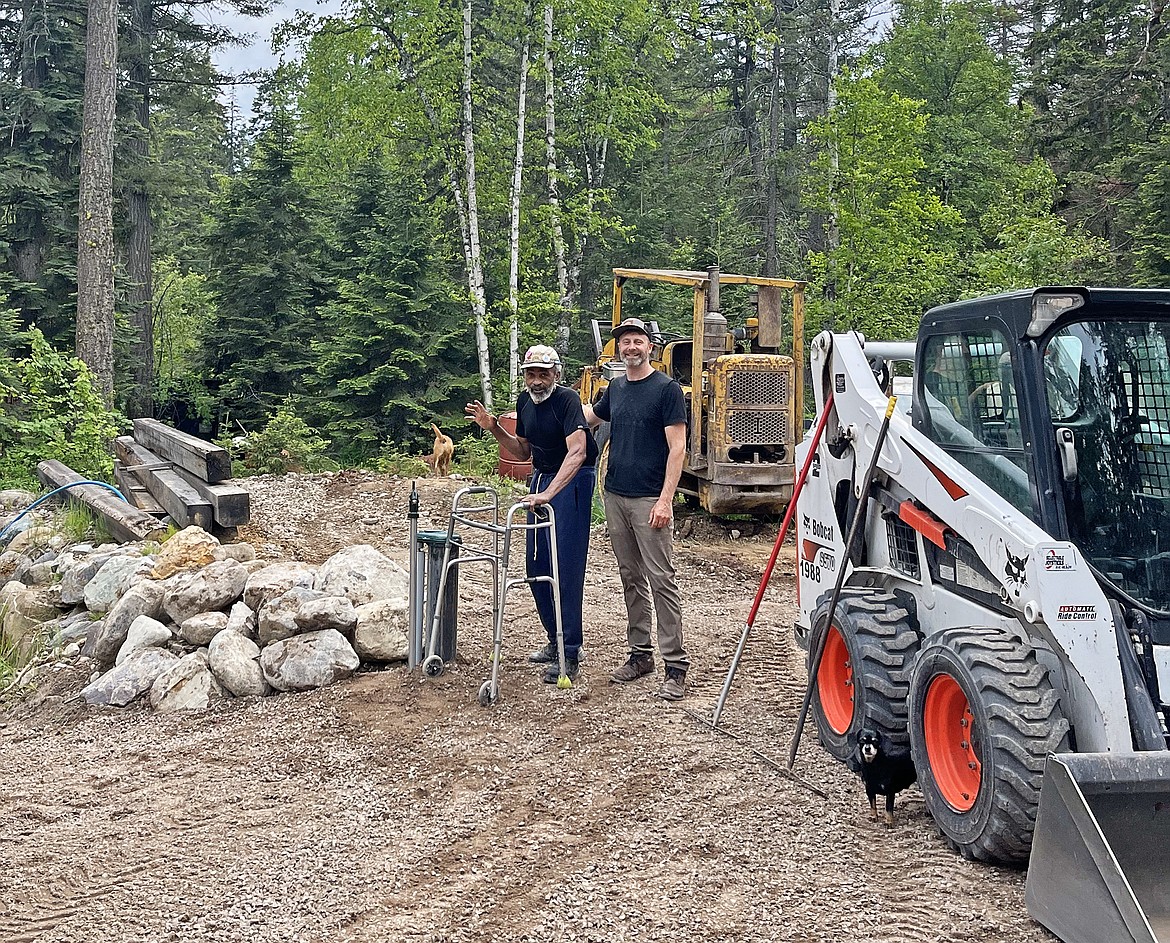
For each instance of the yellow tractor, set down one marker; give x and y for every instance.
(744, 424)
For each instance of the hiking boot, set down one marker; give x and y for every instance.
(640, 663)
(545, 656)
(675, 685)
(552, 674)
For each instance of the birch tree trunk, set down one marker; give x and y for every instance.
(514, 234)
(95, 230)
(475, 266)
(594, 159)
(564, 325)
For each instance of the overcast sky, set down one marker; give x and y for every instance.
(257, 54)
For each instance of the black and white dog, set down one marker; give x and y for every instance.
(883, 771)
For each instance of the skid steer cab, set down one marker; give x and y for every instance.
(1004, 620)
(739, 382)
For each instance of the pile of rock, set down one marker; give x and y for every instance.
(189, 620)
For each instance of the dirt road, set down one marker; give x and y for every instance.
(388, 808)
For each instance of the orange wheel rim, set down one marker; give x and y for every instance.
(950, 743)
(835, 682)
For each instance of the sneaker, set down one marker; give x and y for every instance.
(552, 674)
(640, 663)
(546, 655)
(675, 685)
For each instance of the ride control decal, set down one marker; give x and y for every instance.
(1058, 561)
(1076, 614)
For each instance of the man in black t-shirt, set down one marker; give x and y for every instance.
(552, 432)
(647, 444)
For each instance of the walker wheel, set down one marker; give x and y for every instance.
(485, 696)
(433, 666)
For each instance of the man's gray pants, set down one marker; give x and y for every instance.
(645, 557)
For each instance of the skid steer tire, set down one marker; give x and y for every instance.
(983, 718)
(864, 674)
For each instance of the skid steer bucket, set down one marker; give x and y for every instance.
(1100, 865)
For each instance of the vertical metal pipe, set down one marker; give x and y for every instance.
(414, 581)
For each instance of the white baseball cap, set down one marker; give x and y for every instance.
(541, 355)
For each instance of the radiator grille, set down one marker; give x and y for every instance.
(757, 427)
(747, 388)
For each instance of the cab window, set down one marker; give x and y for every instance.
(970, 409)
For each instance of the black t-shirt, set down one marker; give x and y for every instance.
(638, 413)
(546, 426)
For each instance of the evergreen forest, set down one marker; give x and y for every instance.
(427, 187)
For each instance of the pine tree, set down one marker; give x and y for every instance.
(40, 104)
(395, 350)
(267, 260)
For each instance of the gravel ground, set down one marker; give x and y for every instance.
(391, 808)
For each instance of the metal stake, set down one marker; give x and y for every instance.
(788, 515)
(854, 530)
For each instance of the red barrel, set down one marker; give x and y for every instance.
(510, 465)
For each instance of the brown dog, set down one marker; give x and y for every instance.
(440, 458)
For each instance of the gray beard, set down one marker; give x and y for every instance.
(633, 360)
(539, 398)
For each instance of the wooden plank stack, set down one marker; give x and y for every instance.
(165, 471)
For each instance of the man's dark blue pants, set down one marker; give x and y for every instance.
(573, 508)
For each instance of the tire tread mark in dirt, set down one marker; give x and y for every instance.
(15, 928)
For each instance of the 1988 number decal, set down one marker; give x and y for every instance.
(810, 571)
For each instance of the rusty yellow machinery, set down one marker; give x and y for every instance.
(741, 383)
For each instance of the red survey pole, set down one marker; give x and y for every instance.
(751, 619)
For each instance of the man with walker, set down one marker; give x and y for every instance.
(551, 432)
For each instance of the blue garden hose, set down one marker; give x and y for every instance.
(73, 484)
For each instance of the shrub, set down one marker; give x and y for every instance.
(50, 408)
(286, 444)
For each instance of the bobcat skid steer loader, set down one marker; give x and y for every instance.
(1005, 619)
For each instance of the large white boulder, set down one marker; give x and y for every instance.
(363, 574)
(235, 662)
(381, 633)
(274, 580)
(142, 599)
(187, 685)
(312, 660)
(277, 618)
(216, 586)
(113, 578)
(144, 632)
(129, 680)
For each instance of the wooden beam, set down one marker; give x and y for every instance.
(192, 454)
(124, 521)
(230, 504)
(131, 486)
(182, 502)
